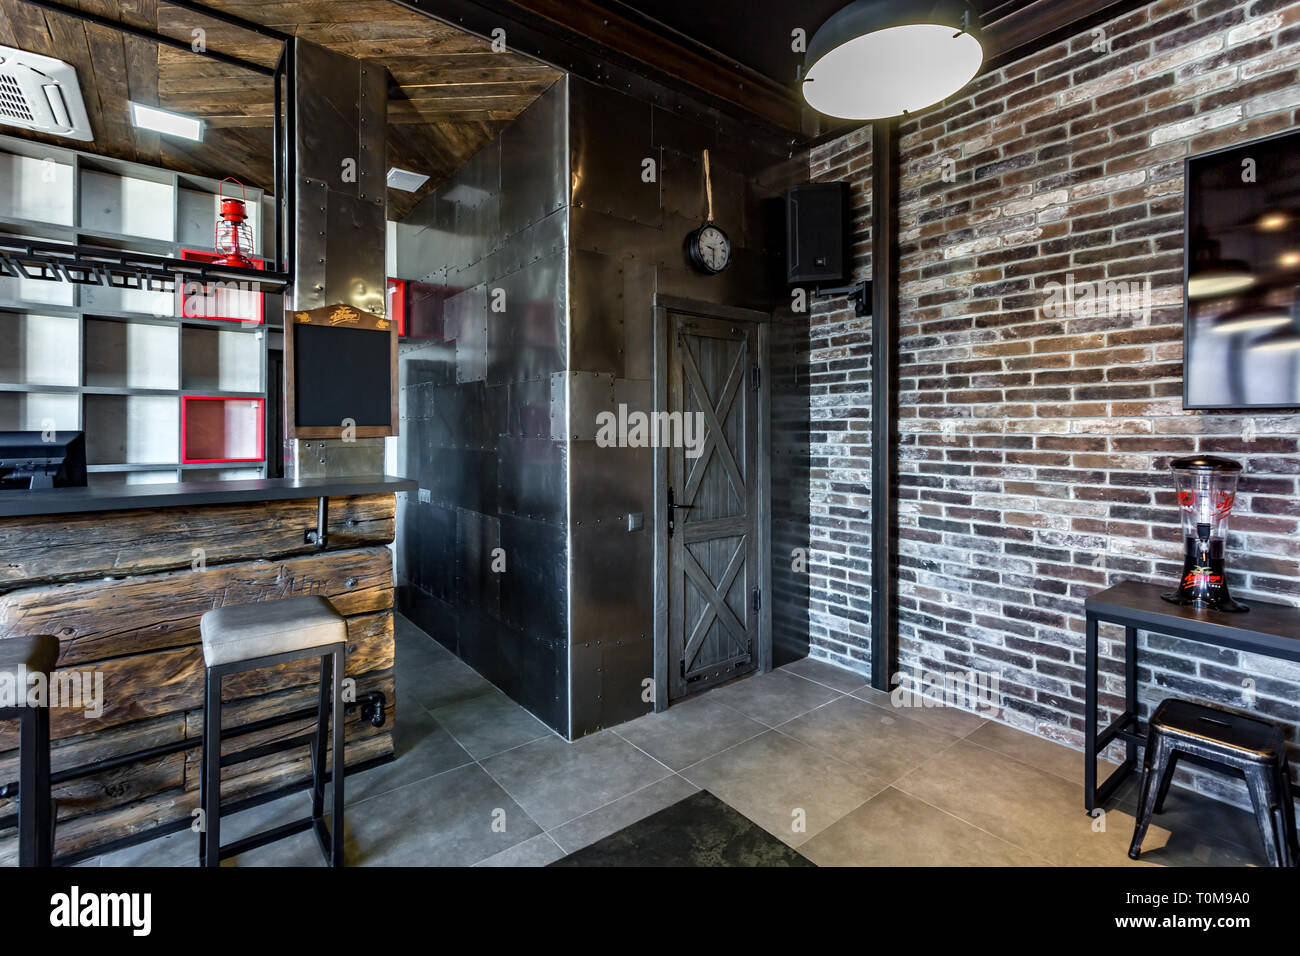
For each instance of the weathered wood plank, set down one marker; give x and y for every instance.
(79, 547)
(142, 686)
(104, 619)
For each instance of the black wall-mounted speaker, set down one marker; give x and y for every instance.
(816, 233)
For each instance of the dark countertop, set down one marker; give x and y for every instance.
(190, 494)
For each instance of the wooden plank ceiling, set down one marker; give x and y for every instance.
(450, 94)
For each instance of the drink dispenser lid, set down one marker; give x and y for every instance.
(1205, 463)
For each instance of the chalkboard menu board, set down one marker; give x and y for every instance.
(341, 372)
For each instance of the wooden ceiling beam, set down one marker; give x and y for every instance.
(713, 74)
(1021, 29)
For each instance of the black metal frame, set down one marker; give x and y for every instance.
(35, 812)
(90, 261)
(1127, 726)
(330, 839)
(884, 402)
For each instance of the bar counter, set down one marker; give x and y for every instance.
(122, 576)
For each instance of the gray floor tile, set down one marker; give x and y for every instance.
(837, 678)
(894, 829)
(535, 851)
(882, 744)
(557, 781)
(1043, 813)
(792, 790)
(454, 819)
(439, 684)
(182, 848)
(775, 697)
(1037, 751)
(623, 812)
(950, 720)
(690, 731)
(423, 749)
(489, 724)
(414, 646)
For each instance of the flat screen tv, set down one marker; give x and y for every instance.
(1242, 283)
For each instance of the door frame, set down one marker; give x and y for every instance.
(664, 304)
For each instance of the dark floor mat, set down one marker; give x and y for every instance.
(698, 831)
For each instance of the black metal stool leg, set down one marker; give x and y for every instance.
(320, 747)
(1263, 795)
(1166, 779)
(34, 811)
(1158, 753)
(211, 854)
(339, 762)
(1288, 811)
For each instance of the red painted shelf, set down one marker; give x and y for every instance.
(231, 305)
(216, 430)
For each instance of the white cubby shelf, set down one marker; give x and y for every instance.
(115, 363)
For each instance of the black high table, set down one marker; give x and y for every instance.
(1269, 629)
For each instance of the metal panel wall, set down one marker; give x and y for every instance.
(341, 222)
(627, 245)
(483, 547)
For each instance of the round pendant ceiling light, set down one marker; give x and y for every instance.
(880, 58)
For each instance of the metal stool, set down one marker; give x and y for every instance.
(19, 658)
(1255, 748)
(244, 637)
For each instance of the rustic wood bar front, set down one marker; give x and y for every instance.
(121, 578)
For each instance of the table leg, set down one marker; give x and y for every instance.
(1130, 687)
(1090, 716)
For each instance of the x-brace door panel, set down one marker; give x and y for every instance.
(714, 486)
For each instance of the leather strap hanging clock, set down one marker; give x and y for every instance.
(707, 248)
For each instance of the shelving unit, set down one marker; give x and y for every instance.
(142, 373)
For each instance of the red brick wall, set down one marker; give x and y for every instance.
(1035, 448)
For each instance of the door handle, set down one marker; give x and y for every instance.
(673, 508)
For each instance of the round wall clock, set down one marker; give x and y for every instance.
(707, 248)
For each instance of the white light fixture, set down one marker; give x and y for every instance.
(405, 180)
(169, 124)
(1251, 318)
(880, 58)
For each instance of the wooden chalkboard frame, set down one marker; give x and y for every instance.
(344, 316)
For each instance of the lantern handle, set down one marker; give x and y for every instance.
(221, 193)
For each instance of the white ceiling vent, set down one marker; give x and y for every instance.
(41, 93)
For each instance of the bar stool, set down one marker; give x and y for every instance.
(1255, 748)
(21, 657)
(244, 637)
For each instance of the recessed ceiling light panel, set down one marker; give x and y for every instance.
(165, 122)
(880, 58)
(405, 180)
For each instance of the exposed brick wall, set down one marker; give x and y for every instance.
(1035, 449)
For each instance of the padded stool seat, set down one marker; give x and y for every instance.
(242, 632)
(34, 654)
(20, 657)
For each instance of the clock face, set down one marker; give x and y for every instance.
(711, 249)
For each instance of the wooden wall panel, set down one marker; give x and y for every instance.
(78, 547)
(98, 620)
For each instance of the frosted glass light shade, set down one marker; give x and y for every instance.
(892, 71)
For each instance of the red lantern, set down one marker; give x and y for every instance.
(233, 240)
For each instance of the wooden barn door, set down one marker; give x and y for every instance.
(713, 548)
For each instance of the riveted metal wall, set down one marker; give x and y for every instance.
(483, 546)
(628, 231)
(544, 255)
(342, 200)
